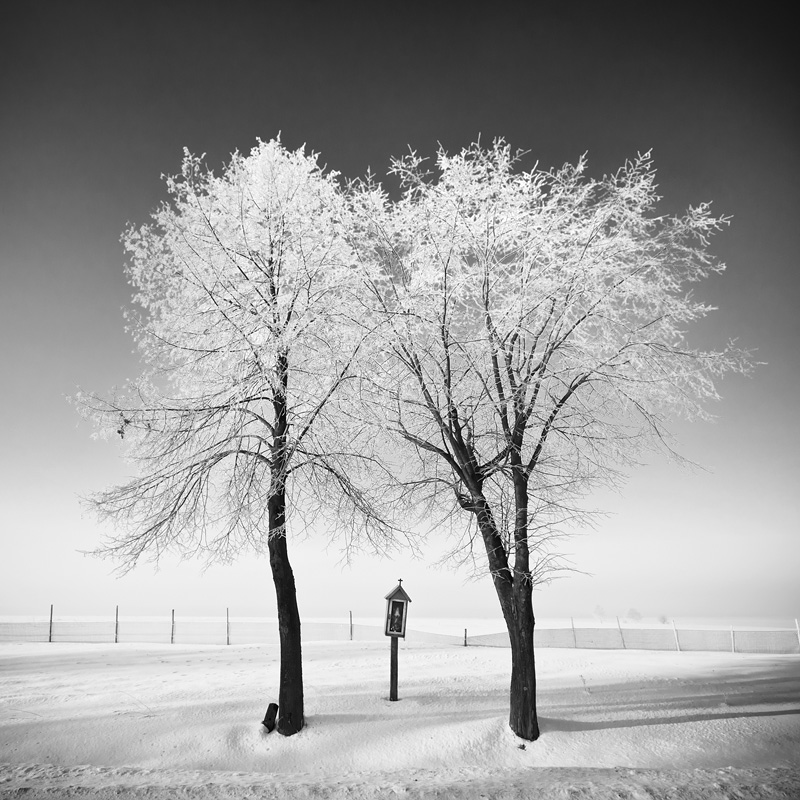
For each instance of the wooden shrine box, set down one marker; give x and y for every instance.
(396, 611)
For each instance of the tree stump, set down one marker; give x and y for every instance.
(269, 719)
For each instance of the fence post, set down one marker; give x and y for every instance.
(351, 626)
(574, 635)
(798, 630)
(227, 626)
(733, 641)
(620, 634)
(172, 631)
(50, 635)
(675, 631)
(465, 637)
(116, 626)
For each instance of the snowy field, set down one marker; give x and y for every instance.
(183, 721)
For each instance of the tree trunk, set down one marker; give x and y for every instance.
(522, 716)
(290, 691)
(523, 720)
(516, 602)
(515, 593)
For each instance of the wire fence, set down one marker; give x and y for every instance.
(229, 630)
(682, 640)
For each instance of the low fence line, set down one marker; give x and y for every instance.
(227, 631)
(677, 640)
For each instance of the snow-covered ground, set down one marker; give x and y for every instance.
(160, 721)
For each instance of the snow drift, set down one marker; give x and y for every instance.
(184, 720)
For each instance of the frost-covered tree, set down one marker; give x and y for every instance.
(533, 347)
(249, 326)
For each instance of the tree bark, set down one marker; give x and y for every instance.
(522, 716)
(523, 719)
(290, 691)
(515, 593)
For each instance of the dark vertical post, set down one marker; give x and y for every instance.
(393, 670)
(574, 635)
(351, 626)
(116, 626)
(50, 635)
(172, 631)
(227, 626)
(622, 638)
(465, 637)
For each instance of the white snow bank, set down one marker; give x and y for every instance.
(144, 718)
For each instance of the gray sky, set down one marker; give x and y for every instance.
(99, 99)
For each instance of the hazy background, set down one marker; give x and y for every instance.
(97, 100)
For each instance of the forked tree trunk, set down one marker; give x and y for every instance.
(290, 691)
(516, 602)
(515, 593)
